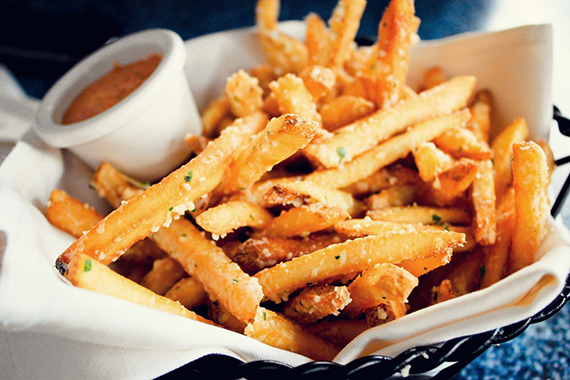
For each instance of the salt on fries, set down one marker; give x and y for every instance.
(324, 197)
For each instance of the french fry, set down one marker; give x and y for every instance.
(452, 183)
(319, 81)
(267, 14)
(356, 228)
(483, 201)
(367, 132)
(395, 32)
(196, 143)
(530, 179)
(317, 302)
(254, 254)
(69, 214)
(503, 153)
(386, 153)
(188, 291)
(144, 214)
(352, 256)
(443, 292)
(461, 142)
(549, 155)
(497, 255)
(395, 175)
(317, 40)
(339, 332)
(392, 196)
(228, 217)
(281, 138)
(480, 123)
(303, 192)
(222, 279)
(244, 94)
(422, 214)
(382, 282)
(275, 330)
(470, 242)
(213, 114)
(344, 110)
(387, 311)
(303, 220)
(362, 61)
(163, 275)
(466, 272)
(219, 314)
(433, 76)
(431, 161)
(293, 98)
(87, 273)
(419, 267)
(344, 23)
(113, 185)
(265, 74)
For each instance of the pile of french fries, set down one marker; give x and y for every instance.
(324, 197)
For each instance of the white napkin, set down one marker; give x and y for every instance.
(50, 329)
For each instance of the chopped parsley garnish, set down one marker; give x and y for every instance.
(91, 186)
(425, 269)
(241, 188)
(337, 257)
(236, 98)
(446, 227)
(436, 218)
(235, 281)
(482, 270)
(341, 154)
(251, 216)
(189, 176)
(264, 316)
(170, 208)
(87, 265)
(194, 209)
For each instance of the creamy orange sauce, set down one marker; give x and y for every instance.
(104, 93)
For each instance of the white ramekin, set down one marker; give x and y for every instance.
(143, 134)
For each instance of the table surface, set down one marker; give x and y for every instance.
(543, 350)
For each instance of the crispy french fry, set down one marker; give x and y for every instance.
(385, 153)
(421, 214)
(530, 179)
(549, 156)
(254, 255)
(219, 314)
(228, 217)
(356, 228)
(213, 114)
(144, 214)
(265, 74)
(353, 256)
(164, 274)
(344, 23)
(483, 201)
(382, 282)
(188, 291)
(497, 255)
(367, 132)
(87, 273)
(196, 143)
(433, 76)
(317, 302)
(392, 196)
(317, 40)
(344, 110)
(319, 81)
(339, 332)
(113, 185)
(480, 123)
(244, 94)
(461, 142)
(452, 183)
(280, 139)
(293, 97)
(503, 153)
(431, 161)
(386, 312)
(419, 267)
(362, 61)
(395, 175)
(275, 330)
(267, 13)
(69, 214)
(222, 279)
(395, 32)
(303, 220)
(303, 192)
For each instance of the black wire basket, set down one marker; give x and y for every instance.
(452, 355)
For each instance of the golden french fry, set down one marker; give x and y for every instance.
(497, 254)
(395, 175)
(160, 203)
(293, 97)
(352, 256)
(431, 161)
(367, 132)
(461, 142)
(114, 186)
(219, 314)
(267, 13)
(317, 40)
(275, 330)
(319, 81)
(87, 273)
(480, 123)
(382, 282)
(228, 217)
(163, 275)
(530, 179)
(483, 201)
(344, 110)
(222, 279)
(303, 220)
(386, 312)
(386, 153)
(69, 214)
(392, 196)
(317, 302)
(422, 214)
(433, 76)
(344, 23)
(419, 267)
(244, 94)
(356, 228)
(362, 61)
(281, 138)
(503, 153)
(188, 291)
(196, 143)
(339, 332)
(265, 74)
(549, 156)
(452, 183)
(395, 32)
(212, 116)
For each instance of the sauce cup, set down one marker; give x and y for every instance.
(143, 134)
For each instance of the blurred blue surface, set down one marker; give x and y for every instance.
(543, 351)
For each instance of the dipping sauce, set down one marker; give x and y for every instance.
(104, 93)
